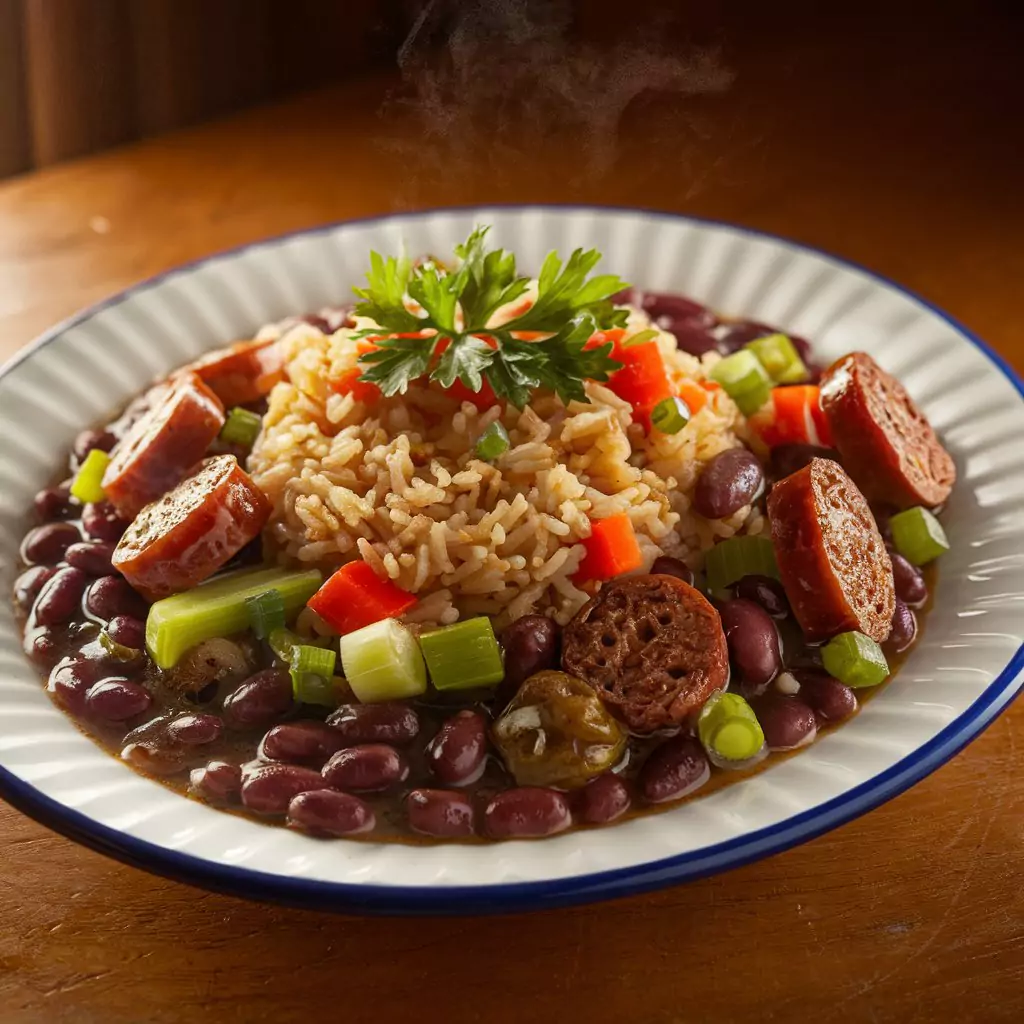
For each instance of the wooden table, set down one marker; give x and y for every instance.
(912, 913)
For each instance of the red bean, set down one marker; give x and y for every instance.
(113, 595)
(911, 588)
(369, 767)
(440, 813)
(45, 545)
(766, 592)
(269, 788)
(830, 698)
(92, 557)
(904, 628)
(530, 645)
(674, 770)
(127, 631)
(787, 722)
(194, 730)
(731, 479)
(328, 812)
(259, 700)
(602, 800)
(29, 583)
(457, 753)
(732, 337)
(87, 440)
(300, 743)
(42, 645)
(101, 521)
(117, 700)
(753, 641)
(70, 681)
(217, 782)
(527, 812)
(154, 758)
(390, 722)
(54, 503)
(60, 597)
(666, 566)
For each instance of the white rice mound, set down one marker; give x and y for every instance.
(396, 482)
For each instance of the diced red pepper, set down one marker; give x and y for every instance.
(350, 384)
(355, 596)
(612, 549)
(793, 415)
(643, 380)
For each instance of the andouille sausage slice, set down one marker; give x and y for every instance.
(242, 372)
(163, 445)
(832, 559)
(887, 444)
(193, 530)
(651, 646)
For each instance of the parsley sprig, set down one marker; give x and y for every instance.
(571, 305)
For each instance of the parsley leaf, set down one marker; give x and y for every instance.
(396, 362)
(465, 358)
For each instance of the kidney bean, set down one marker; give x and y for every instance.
(92, 557)
(301, 743)
(786, 459)
(101, 521)
(440, 813)
(753, 640)
(54, 503)
(45, 545)
(457, 753)
(664, 565)
(527, 812)
(729, 480)
(369, 767)
(674, 770)
(786, 722)
(127, 631)
(389, 722)
(29, 583)
(531, 645)
(259, 700)
(217, 782)
(766, 592)
(269, 788)
(154, 758)
(87, 440)
(70, 681)
(117, 699)
(195, 729)
(904, 628)
(328, 812)
(830, 698)
(59, 597)
(911, 588)
(690, 337)
(602, 800)
(733, 336)
(662, 306)
(42, 645)
(113, 595)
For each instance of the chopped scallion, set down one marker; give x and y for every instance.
(744, 380)
(732, 559)
(382, 662)
(918, 536)
(116, 650)
(318, 661)
(670, 415)
(314, 689)
(855, 659)
(266, 613)
(640, 337)
(464, 655)
(312, 672)
(728, 728)
(88, 483)
(492, 442)
(778, 355)
(241, 427)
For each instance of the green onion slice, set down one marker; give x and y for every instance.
(116, 650)
(855, 659)
(266, 613)
(241, 427)
(649, 334)
(670, 415)
(917, 535)
(382, 662)
(463, 656)
(728, 727)
(493, 442)
(218, 608)
(314, 689)
(778, 355)
(732, 559)
(744, 380)
(318, 661)
(88, 483)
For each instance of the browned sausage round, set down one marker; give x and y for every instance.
(163, 445)
(191, 532)
(832, 559)
(243, 372)
(887, 445)
(651, 646)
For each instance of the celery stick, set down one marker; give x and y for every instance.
(382, 661)
(463, 656)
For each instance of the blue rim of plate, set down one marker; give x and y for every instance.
(522, 896)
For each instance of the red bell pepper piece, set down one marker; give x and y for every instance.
(612, 549)
(355, 596)
(794, 415)
(643, 380)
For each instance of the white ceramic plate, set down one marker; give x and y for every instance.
(966, 669)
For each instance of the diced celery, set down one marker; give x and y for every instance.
(728, 727)
(241, 427)
(382, 662)
(464, 655)
(744, 380)
(778, 355)
(918, 536)
(218, 608)
(88, 483)
(855, 659)
(732, 559)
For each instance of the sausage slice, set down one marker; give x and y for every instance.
(651, 646)
(192, 531)
(243, 372)
(163, 445)
(832, 559)
(887, 444)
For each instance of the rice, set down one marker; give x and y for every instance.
(397, 483)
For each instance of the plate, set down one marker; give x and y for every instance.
(966, 669)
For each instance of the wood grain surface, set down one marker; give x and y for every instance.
(893, 149)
